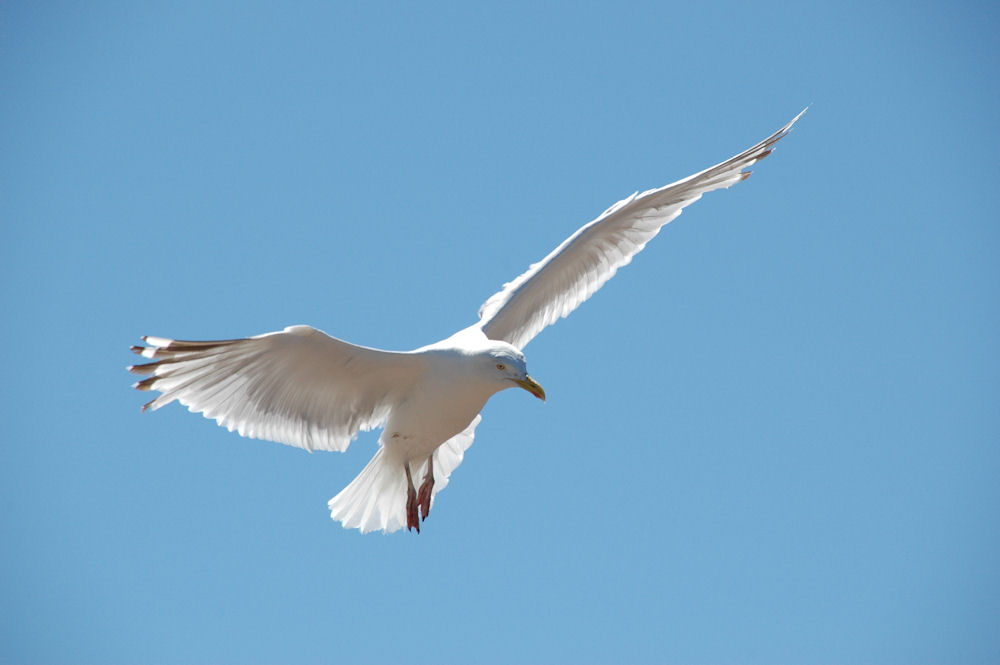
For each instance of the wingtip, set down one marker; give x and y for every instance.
(144, 351)
(794, 120)
(145, 384)
(160, 342)
(143, 368)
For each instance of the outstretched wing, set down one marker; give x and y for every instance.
(556, 285)
(299, 386)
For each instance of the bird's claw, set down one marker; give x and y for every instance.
(421, 499)
(412, 519)
(424, 497)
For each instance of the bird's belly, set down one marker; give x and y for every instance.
(416, 428)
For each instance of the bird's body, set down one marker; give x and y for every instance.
(448, 394)
(304, 388)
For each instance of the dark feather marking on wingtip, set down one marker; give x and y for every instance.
(745, 175)
(145, 407)
(182, 345)
(144, 368)
(146, 384)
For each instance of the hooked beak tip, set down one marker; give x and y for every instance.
(532, 387)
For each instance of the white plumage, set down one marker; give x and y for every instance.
(304, 388)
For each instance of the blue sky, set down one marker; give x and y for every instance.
(772, 438)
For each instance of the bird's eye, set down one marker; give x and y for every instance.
(501, 366)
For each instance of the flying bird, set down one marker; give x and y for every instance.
(304, 388)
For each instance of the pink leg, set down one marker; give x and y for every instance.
(426, 487)
(411, 502)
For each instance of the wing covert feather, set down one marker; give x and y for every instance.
(576, 269)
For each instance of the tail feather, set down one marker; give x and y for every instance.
(376, 499)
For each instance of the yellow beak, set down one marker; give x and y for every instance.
(531, 386)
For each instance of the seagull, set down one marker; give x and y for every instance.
(304, 388)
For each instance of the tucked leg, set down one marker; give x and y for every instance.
(426, 487)
(412, 519)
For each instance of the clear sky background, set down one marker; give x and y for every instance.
(773, 438)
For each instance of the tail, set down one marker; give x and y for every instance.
(376, 499)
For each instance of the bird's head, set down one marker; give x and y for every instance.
(507, 364)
